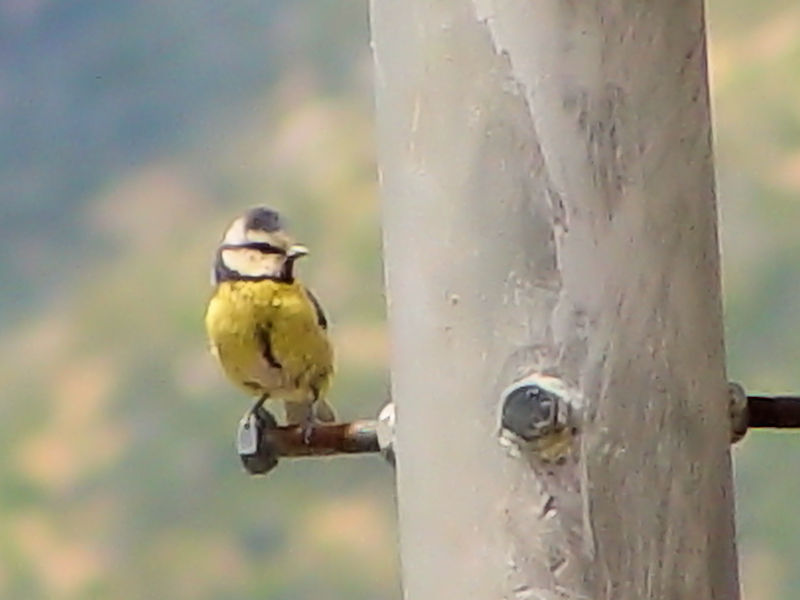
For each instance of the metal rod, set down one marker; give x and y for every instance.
(261, 442)
(361, 437)
(782, 412)
(323, 440)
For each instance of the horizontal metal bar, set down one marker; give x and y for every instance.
(782, 412)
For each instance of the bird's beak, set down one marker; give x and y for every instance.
(296, 251)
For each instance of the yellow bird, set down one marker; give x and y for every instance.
(266, 329)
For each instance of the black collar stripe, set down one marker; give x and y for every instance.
(263, 247)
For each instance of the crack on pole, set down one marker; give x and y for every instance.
(539, 424)
(515, 84)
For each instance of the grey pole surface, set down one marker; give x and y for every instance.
(548, 197)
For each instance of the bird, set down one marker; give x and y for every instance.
(266, 329)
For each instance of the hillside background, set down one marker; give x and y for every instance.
(131, 132)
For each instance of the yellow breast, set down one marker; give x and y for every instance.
(268, 339)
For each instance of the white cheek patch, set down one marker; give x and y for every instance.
(256, 235)
(235, 234)
(252, 263)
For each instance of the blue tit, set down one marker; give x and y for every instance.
(266, 329)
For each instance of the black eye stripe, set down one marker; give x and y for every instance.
(263, 247)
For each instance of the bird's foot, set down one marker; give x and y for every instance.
(307, 429)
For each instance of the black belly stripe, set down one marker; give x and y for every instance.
(266, 348)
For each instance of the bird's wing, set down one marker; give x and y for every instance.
(321, 318)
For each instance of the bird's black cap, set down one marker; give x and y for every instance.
(263, 219)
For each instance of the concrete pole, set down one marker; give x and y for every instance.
(548, 195)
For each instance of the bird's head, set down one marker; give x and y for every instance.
(255, 247)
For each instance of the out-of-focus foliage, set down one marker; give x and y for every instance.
(755, 66)
(130, 133)
(133, 132)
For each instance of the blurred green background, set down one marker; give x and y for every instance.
(130, 134)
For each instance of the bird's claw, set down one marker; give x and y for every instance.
(307, 429)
